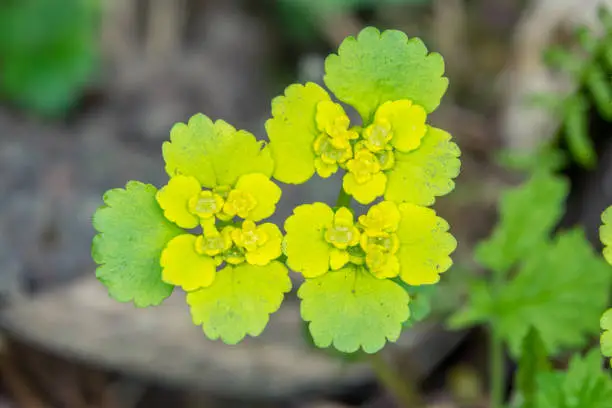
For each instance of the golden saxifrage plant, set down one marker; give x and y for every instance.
(205, 230)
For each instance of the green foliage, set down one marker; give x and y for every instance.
(583, 385)
(528, 214)
(426, 173)
(590, 69)
(606, 336)
(240, 301)
(550, 292)
(605, 233)
(546, 159)
(132, 231)
(533, 361)
(351, 309)
(48, 52)
(420, 302)
(215, 153)
(374, 68)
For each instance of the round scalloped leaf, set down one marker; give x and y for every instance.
(425, 245)
(239, 301)
(292, 131)
(214, 153)
(132, 232)
(351, 309)
(375, 68)
(606, 336)
(422, 175)
(605, 233)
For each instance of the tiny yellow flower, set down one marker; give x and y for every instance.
(399, 123)
(206, 204)
(342, 232)
(332, 146)
(212, 242)
(239, 203)
(365, 181)
(261, 243)
(380, 220)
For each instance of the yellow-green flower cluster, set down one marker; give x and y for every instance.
(376, 157)
(405, 241)
(203, 230)
(226, 209)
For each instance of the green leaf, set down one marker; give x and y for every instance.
(560, 291)
(544, 159)
(48, 53)
(605, 233)
(528, 213)
(374, 68)
(558, 57)
(479, 308)
(132, 232)
(240, 301)
(422, 175)
(606, 337)
(583, 385)
(420, 301)
(577, 131)
(533, 361)
(215, 153)
(351, 309)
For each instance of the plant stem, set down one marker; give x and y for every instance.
(404, 392)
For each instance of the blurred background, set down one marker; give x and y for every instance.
(88, 92)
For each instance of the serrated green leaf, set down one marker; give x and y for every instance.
(132, 232)
(533, 361)
(428, 172)
(374, 68)
(575, 121)
(583, 385)
(214, 153)
(605, 233)
(350, 309)
(240, 301)
(528, 213)
(559, 291)
(606, 337)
